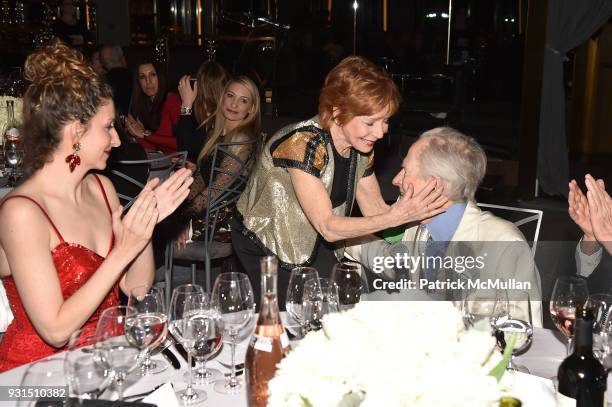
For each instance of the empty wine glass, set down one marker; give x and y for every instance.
(479, 305)
(148, 328)
(86, 378)
(568, 293)
(49, 373)
(601, 305)
(114, 351)
(320, 298)
(187, 332)
(233, 297)
(514, 317)
(351, 282)
(295, 292)
(13, 156)
(208, 321)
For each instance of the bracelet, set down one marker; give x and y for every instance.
(146, 133)
(186, 111)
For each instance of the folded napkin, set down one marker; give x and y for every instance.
(163, 397)
(6, 316)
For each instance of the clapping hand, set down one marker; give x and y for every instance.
(600, 208)
(170, 193)
(133, 232)
(579, 210)
(134, 126)
(188, 94)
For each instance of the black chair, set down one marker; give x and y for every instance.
(134, 167)
(221, 200)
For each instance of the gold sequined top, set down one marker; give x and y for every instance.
(269, 209)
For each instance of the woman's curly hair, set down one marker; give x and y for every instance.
(63, 88)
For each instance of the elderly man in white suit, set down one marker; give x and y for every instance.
(459, 163)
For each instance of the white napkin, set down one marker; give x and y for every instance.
(164, 396)
(6, 316)
(531, 390)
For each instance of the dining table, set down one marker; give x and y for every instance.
(542, 358)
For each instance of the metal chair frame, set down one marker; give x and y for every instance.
(218, 199)
(536, 216)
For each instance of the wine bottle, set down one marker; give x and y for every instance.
(269, 343)
(582, 378)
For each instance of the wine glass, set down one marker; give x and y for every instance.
(514, 317)
(48, 372)
(233, 297)
(114, 350)
(351, 282)
(86, 378)
(209, 324)
(13, 156)
(568, 293)
(601, 305)
(187, 331)
(148, 328)
(295, 292)
(320, 298)
(479, 305)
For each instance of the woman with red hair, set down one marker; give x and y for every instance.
(298, 201)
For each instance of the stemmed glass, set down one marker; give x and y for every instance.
(48, 372)
(208, 321)
(233, 297)
(86, 378)
(320, 298)
(351, 281)
(148, 328)
(479, 305)
(514, 316)
(188, 332)
(295, 292)
(568, 293)
(601, 305)
(114, 351)
(13, 156)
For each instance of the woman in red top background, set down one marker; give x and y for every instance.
(153, 111)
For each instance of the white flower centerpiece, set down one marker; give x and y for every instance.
(390, 354)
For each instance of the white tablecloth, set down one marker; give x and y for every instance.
(543, 358)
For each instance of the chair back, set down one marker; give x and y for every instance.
(227, 179)
(129, 176)
(528, 221)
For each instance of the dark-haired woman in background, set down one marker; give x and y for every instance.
(65, 247)
(154, 111)
(198, 106)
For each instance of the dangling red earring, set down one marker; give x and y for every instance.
(73, 159)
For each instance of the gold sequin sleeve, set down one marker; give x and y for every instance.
(303, 150)
(369, 170)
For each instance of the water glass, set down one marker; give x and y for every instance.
(46, 379)
(187, 332)
(514, 317)
(295, 292)
(233, 298)
(114, 351)
(86, 377)
(320, 298)
(601, 304)
(351, 283)
(148, 328)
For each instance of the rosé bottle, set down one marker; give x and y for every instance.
(269, 343)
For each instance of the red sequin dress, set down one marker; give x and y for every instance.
(75, 264)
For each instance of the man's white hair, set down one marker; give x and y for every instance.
(458, 160)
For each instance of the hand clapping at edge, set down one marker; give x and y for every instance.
(600, 208)
(170, 193)
(425, 204)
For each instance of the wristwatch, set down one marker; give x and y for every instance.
(146, 133)
(186, 111)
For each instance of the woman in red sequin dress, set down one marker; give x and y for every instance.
(65, 249)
